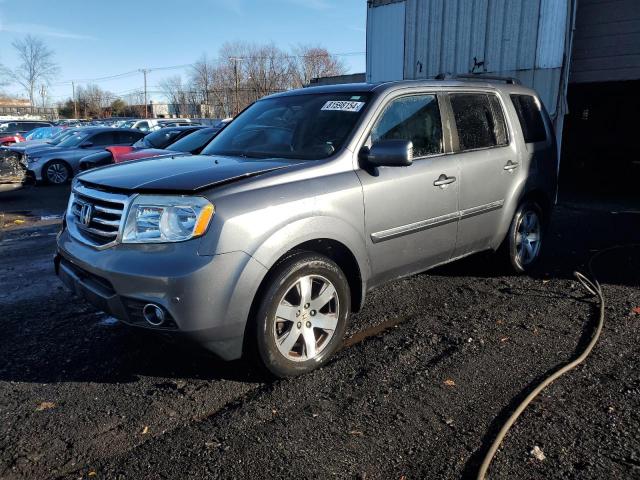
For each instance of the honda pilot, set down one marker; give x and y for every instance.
(266, 243)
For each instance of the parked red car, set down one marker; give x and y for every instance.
(192, 143)
(10, 138)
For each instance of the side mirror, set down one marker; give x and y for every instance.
(388, 153)
(86, 145)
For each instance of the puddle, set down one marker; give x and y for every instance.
(108, 321)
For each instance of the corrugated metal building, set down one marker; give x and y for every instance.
(532, 40)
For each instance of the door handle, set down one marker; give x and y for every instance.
(443, 180)
(511, 166)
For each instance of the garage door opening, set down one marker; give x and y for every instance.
(601, 140)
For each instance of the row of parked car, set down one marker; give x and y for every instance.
(54, 154)
(16, 131)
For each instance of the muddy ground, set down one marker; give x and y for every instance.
(83, 396)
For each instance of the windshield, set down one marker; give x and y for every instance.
(194, 142)
(38, 133)
(310, 126)
(159, 139)
(60, 136)
(75, 139)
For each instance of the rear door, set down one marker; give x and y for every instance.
(410, 223)
(488, 167)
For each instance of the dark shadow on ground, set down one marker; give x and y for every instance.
(83, 347)
(576, 233)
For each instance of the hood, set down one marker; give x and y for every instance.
(40, 148)
(179, 173)
(139, 154)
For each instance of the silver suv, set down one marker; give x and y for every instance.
(267, 242)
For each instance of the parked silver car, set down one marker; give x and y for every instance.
(267, 242)
(56, 164)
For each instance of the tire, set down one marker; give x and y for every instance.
(290, 336)
(524, 241)
(56, 172)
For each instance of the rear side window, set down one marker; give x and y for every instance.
(479, 120)
(128, 137)
(415, 118)
(104, 138)
(530, 116)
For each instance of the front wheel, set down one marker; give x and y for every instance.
(56, 173)
(524, 241)
(302, 316)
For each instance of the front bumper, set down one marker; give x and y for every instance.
(206, 297)
(13, 175)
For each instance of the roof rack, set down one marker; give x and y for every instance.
(477, 76)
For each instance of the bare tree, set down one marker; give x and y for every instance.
(176, 94)
(202, 80)
(243, 73)
(93, 101)
(309, 62)
(136, 105)
(5, 75)
(36, 67)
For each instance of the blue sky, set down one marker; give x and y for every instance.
(98, 38)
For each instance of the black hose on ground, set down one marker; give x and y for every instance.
(593, 287)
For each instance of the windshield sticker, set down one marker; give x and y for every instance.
(342, 106)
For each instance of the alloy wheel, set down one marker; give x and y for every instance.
(57, 173)
(306, 318)
(528, 237)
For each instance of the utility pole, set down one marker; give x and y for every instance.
(235, 76)
(146, 104)
(75, 104)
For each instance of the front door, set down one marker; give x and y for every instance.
(411, 213)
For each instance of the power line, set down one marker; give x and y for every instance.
(214, 60)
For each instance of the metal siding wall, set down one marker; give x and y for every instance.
(606, 46)
(519, 38)
(551, 33)
(385, 42)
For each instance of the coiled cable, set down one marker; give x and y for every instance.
(594, 288)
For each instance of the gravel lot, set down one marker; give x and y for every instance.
(83, 396)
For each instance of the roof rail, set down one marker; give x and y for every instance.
(477, 76)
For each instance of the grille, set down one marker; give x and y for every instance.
(95, 216)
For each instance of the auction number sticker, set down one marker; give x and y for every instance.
(343, 105)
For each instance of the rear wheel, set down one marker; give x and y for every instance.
(302, 316)
(524, 242)
(56, 172)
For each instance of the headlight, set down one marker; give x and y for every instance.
(160, 219)
(32, 159)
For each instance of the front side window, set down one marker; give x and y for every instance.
(194, 141)
(160, 139)
(415, 118)
(304, 127)
(530, 116)
(480, 124)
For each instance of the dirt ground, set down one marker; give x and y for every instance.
(83, 396)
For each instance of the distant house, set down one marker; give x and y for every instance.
(11, 107)
(12, 102)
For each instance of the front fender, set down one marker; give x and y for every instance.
(322, 227)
